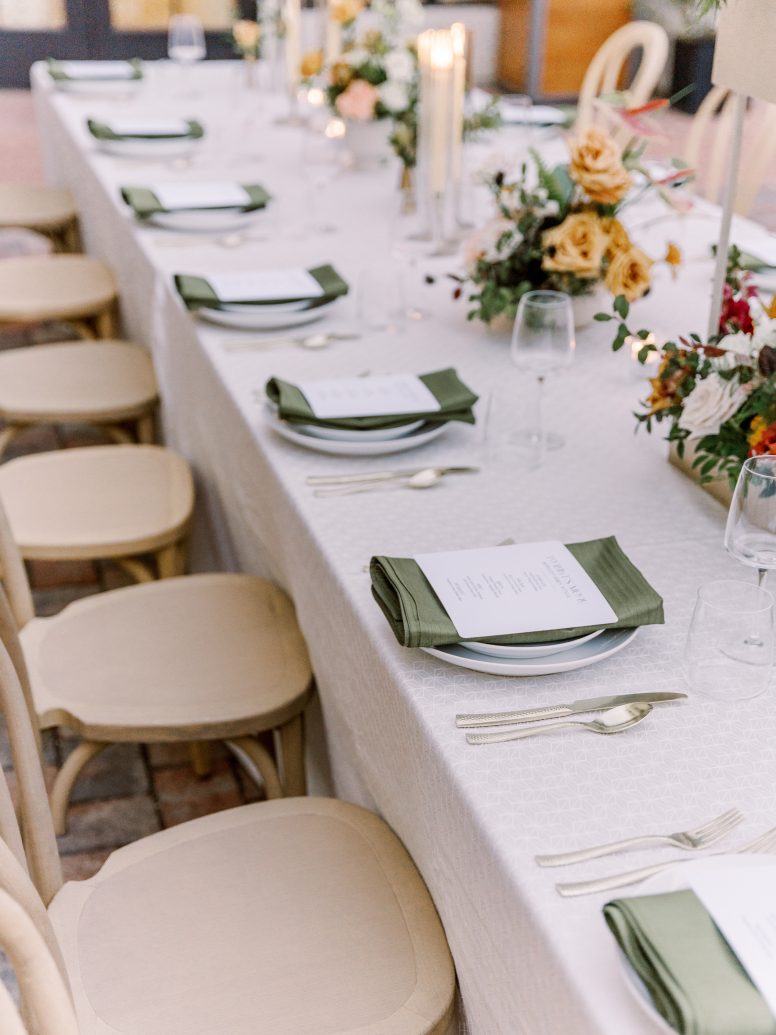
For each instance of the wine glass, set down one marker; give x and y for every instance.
(750, 534)
(185, 40)
(543, 342)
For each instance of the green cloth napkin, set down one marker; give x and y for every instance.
(691, 974)
(59, 75)
(754, 264)
(418, 619)
(101, 131)
(145, 203)
(455, 399)
(196, 292)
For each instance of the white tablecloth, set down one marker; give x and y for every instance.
(528, 961)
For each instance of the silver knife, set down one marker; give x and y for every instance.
(555, 711)
(379, 476)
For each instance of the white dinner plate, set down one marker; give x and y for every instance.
(350, 434)
(361, 447)
(265, 318)
(274, 307)
(152, 147)
(604, 646)
(676, 879)
(108, 88)
(214, 220)
(527, 650)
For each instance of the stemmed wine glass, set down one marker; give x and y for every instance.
(750, 534)
(543, 342)
(186, 40)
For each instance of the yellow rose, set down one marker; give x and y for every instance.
(628, 274)
(344, 11)
(596, 165)
(618, 239)
(311, 64)
(341, 73)
(246, 34)
(576, 246)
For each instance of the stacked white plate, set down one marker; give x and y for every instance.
(268, 315)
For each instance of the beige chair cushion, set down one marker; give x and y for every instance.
(54, 287)
(35, 206)
(72, 381)
(221, 654)
(303, 916)
(97, 501)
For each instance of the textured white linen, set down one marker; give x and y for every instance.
(529, 963)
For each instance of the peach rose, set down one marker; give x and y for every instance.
(358, 101)
(311, 64)
(576, 246)
(628, 274)
(596, 165)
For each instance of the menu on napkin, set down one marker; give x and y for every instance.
(215, 194)
(149, 127)
(368, 396)
(742, 903)
(528, 587)
(267, 286)
(97, 69)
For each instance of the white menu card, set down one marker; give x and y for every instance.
(369, 396)
(215, 194)
(742, 903)
(265, 286)
(528, 587)
(97, 69)
(149, 127)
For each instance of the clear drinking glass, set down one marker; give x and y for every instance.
(185, 41)
(730, 644)
(750, 535)
(543, 342)
(380, 300)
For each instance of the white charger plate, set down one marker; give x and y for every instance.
(161, 148)
(265, 318)
(527, 650)
(350, 434)
(676, 879)
(371, 447)
(604, 646)
(214, 220)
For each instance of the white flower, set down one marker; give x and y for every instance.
(712, 402)
(411, 14)
(394, 96)
(492, 242)
(496, 162)
(399, 65)
(356, 57)
(764, 334)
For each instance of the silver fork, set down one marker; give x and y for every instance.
(765, 843)
(690, 840)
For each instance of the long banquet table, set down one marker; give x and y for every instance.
(528, 961)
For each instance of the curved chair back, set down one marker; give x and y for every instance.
(14, 574)
(604, 71)
(713, 123)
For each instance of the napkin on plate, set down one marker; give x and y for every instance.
(455, 400)
(692, 976)
(197, 293)
(418, 619)
(102, 131)
(60, 75)
(145, 203)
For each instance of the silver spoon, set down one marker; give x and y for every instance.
(310, 341)
(616, 720)
(425, 479)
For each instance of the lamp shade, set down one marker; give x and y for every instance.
(745, 54)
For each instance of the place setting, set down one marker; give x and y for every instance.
(113, 79)
(146, 137)
(206, 206)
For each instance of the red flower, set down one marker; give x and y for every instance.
(736, 314)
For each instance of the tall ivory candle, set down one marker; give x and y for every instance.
(291, 23)
(437, 105)
(333, 40)
(458, 37)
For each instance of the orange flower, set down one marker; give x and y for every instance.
(664, 390)
(762, 437)
(673, 257)
(311, 64)
(771, 310)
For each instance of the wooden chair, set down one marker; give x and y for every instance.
(300, 915)
(187, 660)
(604, 73)
(713, 125)
(101, 503)
(75, 289)
(48, 210)
(106, 384)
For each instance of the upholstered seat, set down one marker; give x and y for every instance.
(73, 288)
(102, 383)
(36, 206)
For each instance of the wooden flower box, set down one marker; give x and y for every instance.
(719, 488)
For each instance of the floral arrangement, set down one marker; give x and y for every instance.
(246, 39)
(719, 396)
(558, 229)
(404, 137)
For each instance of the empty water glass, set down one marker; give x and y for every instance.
(185, 41)
(730, 644)
(380, 302)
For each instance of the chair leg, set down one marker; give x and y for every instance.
(292, 752)
(201, 758)
(146, 429)
(105, 323)
(258, 763)
(66, 778)
(117, 434)
(84, 329)
(9, 432)
(140, 572)
(171, 561)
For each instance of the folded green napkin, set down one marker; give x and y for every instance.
(754, 264)
(59, 75)
(691, 974)
(455, 399)
(145, 203)
(418, 619)
(196, 292)
(101, 131)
